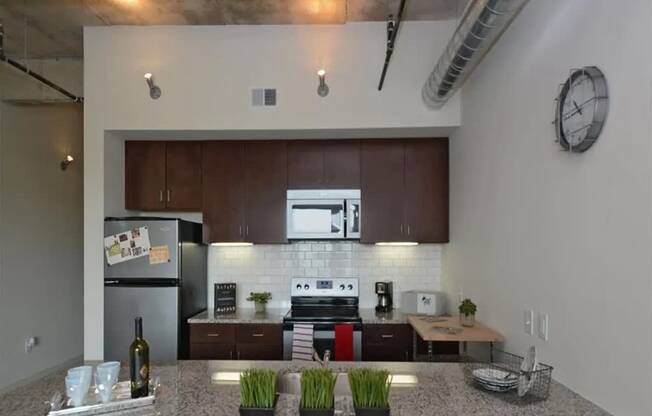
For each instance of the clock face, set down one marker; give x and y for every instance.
(581, 109)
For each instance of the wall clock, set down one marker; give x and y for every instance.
(581, 109)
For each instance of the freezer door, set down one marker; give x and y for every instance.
(158, 306)
(163, 232)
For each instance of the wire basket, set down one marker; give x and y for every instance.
(539, 379)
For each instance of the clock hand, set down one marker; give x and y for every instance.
(577, 107)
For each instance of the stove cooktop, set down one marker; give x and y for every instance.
(323, 314)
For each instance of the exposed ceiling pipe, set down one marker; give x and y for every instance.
(32, 74)
(482, 24)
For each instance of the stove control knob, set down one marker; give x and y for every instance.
(342, 287)
(306, 286)
(350, 287)
(299, 287)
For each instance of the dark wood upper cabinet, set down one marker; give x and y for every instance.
(162, 176)
(342, 164)
(183, 176)
(223, 189)
(426, 190)
(145, 175)
(404, 190)
(265, 172)
(333, 164)
(382, 172)
(305, 165)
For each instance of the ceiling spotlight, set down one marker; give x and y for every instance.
(154, 91)
(67, 161)
(322, 90)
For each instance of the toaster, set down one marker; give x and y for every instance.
(423, 302)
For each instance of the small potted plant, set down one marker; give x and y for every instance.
(317, 392)
(467, 312)
(258, 395)
(370, 391)
(260, 299)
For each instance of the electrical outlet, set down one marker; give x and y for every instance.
(528, 321)
(30, 343)
(543, 326)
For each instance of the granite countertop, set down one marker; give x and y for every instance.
(370, 316)
(187, 389)
(275, 316)
(241, 316)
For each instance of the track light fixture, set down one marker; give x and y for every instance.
(154, 90)
(322, 90)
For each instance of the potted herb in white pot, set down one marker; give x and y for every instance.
(258, 395)
(260, 299)
(467, 313)
(370, 391)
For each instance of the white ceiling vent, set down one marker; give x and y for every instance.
(263, 97)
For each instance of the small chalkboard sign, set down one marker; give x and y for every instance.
(225, 298)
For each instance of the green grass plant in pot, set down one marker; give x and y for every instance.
(260, 299)
(370, 391)
(317, 392)
(258, 392)
(467, 312)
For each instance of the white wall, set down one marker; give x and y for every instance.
(41, 238)
(270, 268)
(205, 74)
(565, 234)
(40, 222)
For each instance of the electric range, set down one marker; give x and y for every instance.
(323, 303)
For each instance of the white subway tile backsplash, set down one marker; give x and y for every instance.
(270, 267)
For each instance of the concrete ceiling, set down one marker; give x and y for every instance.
(53, 28)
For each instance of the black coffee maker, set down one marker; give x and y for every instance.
(385, 294)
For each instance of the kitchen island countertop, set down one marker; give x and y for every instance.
(187, 389)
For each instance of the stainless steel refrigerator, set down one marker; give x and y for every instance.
(164, 294)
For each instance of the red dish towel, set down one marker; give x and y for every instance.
(344, 342)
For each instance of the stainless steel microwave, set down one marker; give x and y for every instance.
(323, 214)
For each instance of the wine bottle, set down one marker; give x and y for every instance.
(139, 356)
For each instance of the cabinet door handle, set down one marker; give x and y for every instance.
(408, 229)
(407, 356)
(401, 229)
(160, 196)
(386, 336)
(238, 355)
(231, 354)
(247, 230)
(257, 335)
(240, 230)
(212, 335)
(169, 199)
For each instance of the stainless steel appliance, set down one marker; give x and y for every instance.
(323, 214)
(323, 303)
(385, 293)
(423, 302)
(165, 295)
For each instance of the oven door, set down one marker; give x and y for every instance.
(315, 218)
(323, 339)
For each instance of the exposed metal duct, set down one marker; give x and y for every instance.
(482, 24)
(33, 74)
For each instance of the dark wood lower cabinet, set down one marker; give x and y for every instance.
(211, 352)
(393, 342)
(236, 342)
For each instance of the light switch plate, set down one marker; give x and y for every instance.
(528, 321)
(543, 326)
